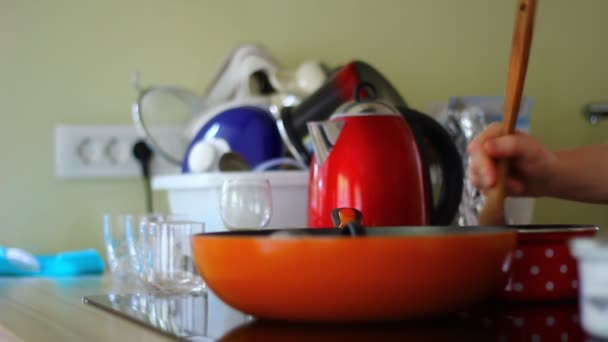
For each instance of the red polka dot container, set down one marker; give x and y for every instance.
(556, 321)
(543, 268)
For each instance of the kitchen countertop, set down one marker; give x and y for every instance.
(52, 309)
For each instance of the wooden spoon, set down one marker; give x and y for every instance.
(493, 212)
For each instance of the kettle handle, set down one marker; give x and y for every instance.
(426, 129)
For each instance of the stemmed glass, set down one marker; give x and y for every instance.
(246, 203)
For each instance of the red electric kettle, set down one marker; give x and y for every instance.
(372, 156)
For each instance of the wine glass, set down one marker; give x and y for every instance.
(246, 203)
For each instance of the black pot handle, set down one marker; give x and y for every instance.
(426, 129)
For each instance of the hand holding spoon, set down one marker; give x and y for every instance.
(493, 212)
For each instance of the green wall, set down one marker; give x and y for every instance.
(71, 62)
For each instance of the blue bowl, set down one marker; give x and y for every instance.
(248, 130)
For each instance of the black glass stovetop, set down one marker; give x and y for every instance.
(207, 318)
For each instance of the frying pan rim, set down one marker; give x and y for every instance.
(373, 232)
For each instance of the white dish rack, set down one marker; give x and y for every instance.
(197, 196)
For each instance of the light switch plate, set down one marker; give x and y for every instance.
(105, 151)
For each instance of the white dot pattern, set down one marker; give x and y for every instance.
(550, 321)
(534, 270)
(556, 275)
(564, 337)
(519, 322)
(535, 338)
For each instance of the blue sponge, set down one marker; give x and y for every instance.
(69, 263)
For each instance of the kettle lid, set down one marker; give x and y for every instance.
(368, 105)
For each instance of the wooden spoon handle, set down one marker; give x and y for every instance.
(493, 212)
(518, 64)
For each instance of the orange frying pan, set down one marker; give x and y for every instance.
(358, 274)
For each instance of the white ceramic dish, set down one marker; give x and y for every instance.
(592, 256)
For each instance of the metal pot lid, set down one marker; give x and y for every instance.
(160, 115)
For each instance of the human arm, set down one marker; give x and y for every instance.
(577, 174)
(582, 174)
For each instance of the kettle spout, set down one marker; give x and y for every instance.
(323, 135)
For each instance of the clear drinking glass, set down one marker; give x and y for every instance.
(119, 231)
(166, 254)
(246, 203)
(137, 241)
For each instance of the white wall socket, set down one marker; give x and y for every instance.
(105, 151)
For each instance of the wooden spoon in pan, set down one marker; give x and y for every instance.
(493, 212)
